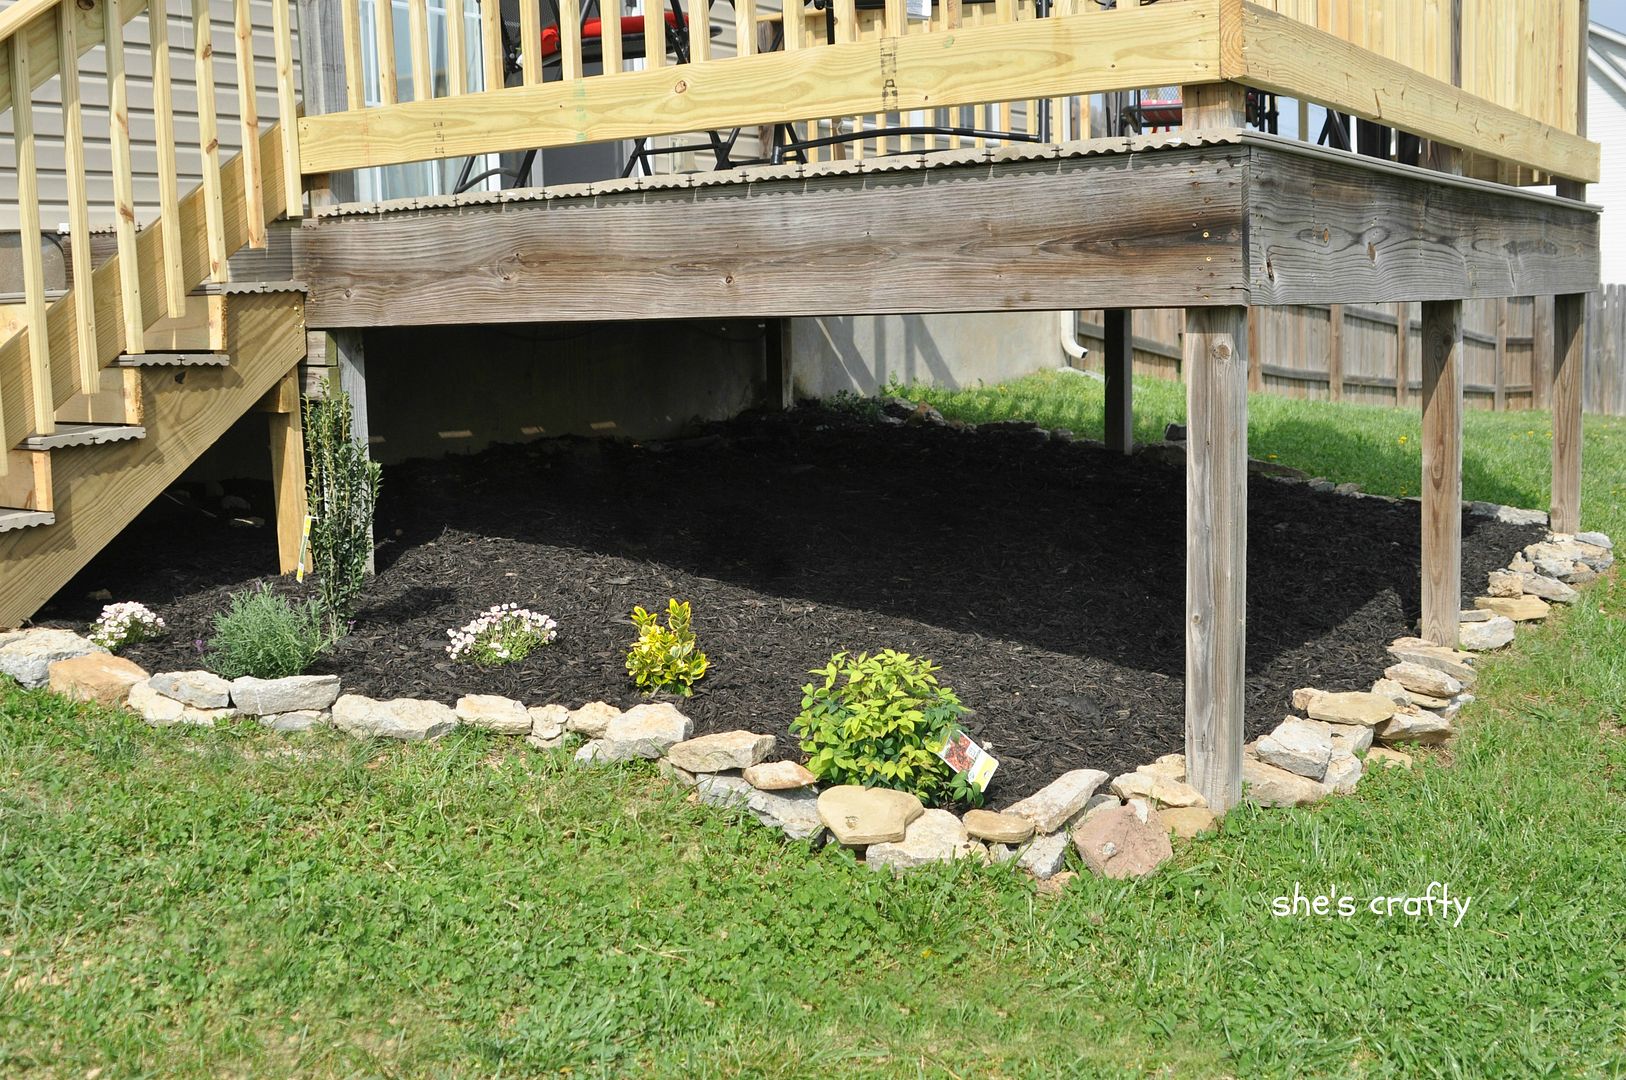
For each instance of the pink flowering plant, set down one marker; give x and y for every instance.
(504, 634)
(126, 623)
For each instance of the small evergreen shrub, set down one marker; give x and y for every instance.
(128, 623)
(879, 721)
(263, 635)
(342, 493)
(504, 634)
(666, 658)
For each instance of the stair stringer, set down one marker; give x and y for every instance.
(100, 489)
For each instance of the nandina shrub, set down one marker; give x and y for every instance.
(879, 721)
(342, 492)
(666, 658)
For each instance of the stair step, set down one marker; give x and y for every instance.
(84, 435)
(24, 519)
(173, 359)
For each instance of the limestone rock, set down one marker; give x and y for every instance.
(404, 719)
(548, 723)
(1096, 804)
(591, 719)
(646, 731)
(591, 752)
(1422, 679)
(297, 693)
(934, 836)
(199, 689)
(27, 655)
(1518, 608)
(298, 720)
(1380, 756)
(1484, 636)
(794, 811)
(779, 776)
(1299, 747)
(1419, 727)
(1392, 690)
(1118, 844)
(721, 789)
(1171, 766)
(1188, 822)
(100, 677)
(1453, 662)
(1475, 615)
(159, 710)
(1157, 789)
(1511, 515)
(1349, 738)
(494, 713)
(538, 742)
(997, 828)
(859, 815)
(1044, 856)
(1505, 583)
(1352, 707)
(1343, 773)
(1549, 589)
(724, 750)
(1266, 785)
(1596, 539)
(1053, 805)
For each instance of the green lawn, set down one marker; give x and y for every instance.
(232, 902)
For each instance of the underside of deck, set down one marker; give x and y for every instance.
(1225, 218)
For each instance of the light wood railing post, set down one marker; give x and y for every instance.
(73, 145)
(124, 214)
(457, 60)
(248, 109)
(293, 188)
(28, 217)
(169, 181)
(214, 215)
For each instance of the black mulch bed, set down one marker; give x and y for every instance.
(1045, 577)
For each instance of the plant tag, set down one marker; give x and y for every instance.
(965, 756)
(304, 549)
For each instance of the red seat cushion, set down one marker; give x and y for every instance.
(631, 26)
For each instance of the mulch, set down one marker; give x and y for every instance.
(1046, 577)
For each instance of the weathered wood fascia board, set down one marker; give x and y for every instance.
(1285, 56)
(1341, 229)
(1039, 235)
(1137, 46)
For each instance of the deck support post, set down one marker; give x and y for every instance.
(1216, 364)
(1119, 359)
(1569, 351)
(350, 358)
(780, 392)
(1442, 470)
(288, 471)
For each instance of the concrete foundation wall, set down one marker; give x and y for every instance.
(864, 354)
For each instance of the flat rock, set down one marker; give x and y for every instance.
(1453, 662)
(1422, 679)
(858, 815)
(1299, 746)
(1517, 608)
(1484, 636)
(1044, 856)
(1505, 583)
(1511, 515)
(548, 723)
(538, 742)
(779, 776)
(296, 693)
(403, 719)
(494, 713)
(1549, 589)
(646, 731)
(1417, 727)
(1475, 615)
(1352, 707)
(1343, 773)
(1596, 539)
(1055, 804)
(1118, 844)
(100, 677)
(722, 751)
(721, 789)
(591, 719)
(1266, 785)
(1381, 756)
(1349, 738)
(997, 828)
(1171, 766)
(159, 710)
(1158, 789)
(796, 812)
(1189, 822)
(298, 720)
(1392, 690)
(27, 655)
(199, 689)
(935, 836)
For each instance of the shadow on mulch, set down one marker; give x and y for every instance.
(1046, 578)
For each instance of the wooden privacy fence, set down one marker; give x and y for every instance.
(1354, 353)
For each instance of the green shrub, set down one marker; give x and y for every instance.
(879, 721)
(263, 635)
(342, 493)
(666, 658)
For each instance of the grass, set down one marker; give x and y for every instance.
(231, 902)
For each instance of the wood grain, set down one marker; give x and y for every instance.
(288, 470)
(1216, 368)
(1118, 357)
(1569, 351)
(1442, 470)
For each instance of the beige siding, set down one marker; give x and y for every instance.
(138, 60)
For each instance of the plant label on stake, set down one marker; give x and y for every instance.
(304, 547)
(965, 756)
